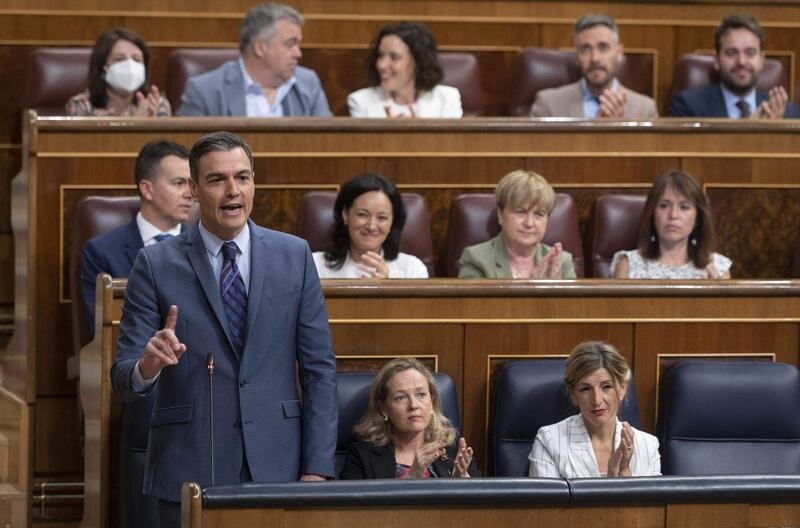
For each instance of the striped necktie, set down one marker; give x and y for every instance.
(234, 295)
(744, 108)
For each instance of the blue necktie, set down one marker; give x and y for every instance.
(162, 236)
(234, 295)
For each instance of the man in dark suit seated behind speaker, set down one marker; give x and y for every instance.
(739, 41)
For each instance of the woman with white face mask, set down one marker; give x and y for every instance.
(118, 80)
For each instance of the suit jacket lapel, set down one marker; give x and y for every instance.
(581, 453)
(260, 265)
(383, 463)
(717, 103)
(196, 251)
(133, 241)
(234, 90)
(575, 101)
(502, 268)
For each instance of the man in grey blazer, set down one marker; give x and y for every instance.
(265, 81)
(598, 93)
(250, 298)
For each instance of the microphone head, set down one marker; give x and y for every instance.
(210, 363)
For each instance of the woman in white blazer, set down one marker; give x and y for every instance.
(594, 443)
(404, 74)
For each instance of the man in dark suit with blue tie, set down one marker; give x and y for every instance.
(162, 178)
(739, 42)
(251, 298)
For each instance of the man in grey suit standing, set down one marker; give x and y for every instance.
(251, 297)
(265, 81)
(598, 93)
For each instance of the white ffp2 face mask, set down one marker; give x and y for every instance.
(126, 76)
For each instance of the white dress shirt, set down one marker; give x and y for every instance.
(731, 99)
(564, 450)
(149, 232)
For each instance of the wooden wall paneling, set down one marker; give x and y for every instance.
(750, 339)
(488, 345)
(442, 342)
(756, 216)
(15, 444)
(708, 516)
(274, 168)
(57, 437)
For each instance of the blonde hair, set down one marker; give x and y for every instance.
(524, 187)
(375, 429)
(591, 356)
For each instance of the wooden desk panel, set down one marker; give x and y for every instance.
(72, 158)
(471, 327)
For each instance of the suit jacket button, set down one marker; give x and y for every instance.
(243, 383)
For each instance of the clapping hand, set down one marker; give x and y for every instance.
(550, 266)
(463, 460)
(612, 104)
(147, 106)
(775, 106)
(619, 463)
(372, 265)
(425, 456)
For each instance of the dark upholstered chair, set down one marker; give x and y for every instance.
(94, 215)
(315, 218)
(535, 69)
(473, 219)
(461, 70)
(184, 63)
(55, 75)
(353, 394)
(730, 417)
(693, 70)
(526, 395)
(613, 226)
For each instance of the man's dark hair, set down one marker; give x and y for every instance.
(591, 20)
(339, 243)
(738, 21)
(221, 141)
(423, 50)
(151, 155)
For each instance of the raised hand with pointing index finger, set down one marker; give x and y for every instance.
(163, 349)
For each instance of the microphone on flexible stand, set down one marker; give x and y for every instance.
(210, 367)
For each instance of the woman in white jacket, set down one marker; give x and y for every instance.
(404, 74)
(594, 443)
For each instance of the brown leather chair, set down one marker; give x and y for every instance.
(535, 69)
(473, 219)
(315, 218)
(693, 70)
(94, 215)
(613, 226)
(184, 63)
(55, 75)
(461, 70)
